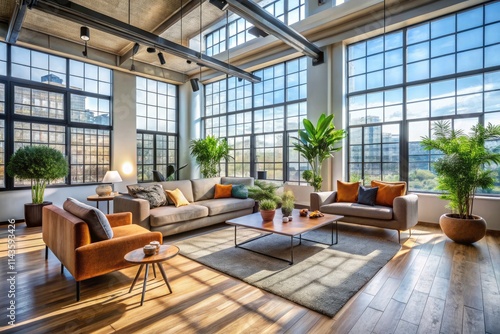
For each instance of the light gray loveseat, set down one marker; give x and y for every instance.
(402, 216)
(203, 209)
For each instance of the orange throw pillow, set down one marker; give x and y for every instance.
(347, 191)
(223, 190)
(388, 191)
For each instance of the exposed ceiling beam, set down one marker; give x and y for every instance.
(187, 8)
(263, 20)
(76, 13)
(16, 22)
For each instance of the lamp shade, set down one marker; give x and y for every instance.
(112, 176)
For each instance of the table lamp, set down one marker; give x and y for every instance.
(111, 176)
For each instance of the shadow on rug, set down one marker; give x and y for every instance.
(322, 278)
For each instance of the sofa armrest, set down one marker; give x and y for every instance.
(405, 209)
(137, 206)
(321, 198)
(119, 219)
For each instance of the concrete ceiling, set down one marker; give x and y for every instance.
(155, 16)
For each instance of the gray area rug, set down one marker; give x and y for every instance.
(322, 278)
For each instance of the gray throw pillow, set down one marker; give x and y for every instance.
(154, 194)
(99, 226)
(239, 191)
(367, 195)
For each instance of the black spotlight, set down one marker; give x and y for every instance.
(221, 4)
(257, 32)
(151, 49)
(161, 58)
(135, 49)
(85, 33)
(188, 61)
(194, 84)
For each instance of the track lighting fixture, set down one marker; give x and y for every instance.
(135, 49)
(257, 32)
(221, 4)
(85, 33)
(85, 36)
(188, 61)
(194, 84)
(161, 58)
(151, 49)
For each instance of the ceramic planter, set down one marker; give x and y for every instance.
(33, 213)
(267, 215)
(463, 231)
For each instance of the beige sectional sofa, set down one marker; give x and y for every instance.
(203, 209)
(402, 216)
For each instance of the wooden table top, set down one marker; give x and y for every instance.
(297, 226)
(166, 252)
(97, 198)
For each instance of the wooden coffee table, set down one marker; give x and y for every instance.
(293, 229)
(137, 256)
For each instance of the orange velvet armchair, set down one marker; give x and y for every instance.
(69, 238)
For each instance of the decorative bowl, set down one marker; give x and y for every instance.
(149, 250)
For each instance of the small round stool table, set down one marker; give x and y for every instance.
(137, 256)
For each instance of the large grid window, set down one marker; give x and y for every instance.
(39, 95)
(236, 32)
(90, 154)
(38, 66)
(156, 127)
(400, 84)
(261, 118)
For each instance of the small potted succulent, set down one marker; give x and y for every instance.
(287, 203)
(267, 209)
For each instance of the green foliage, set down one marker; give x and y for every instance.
(264, 191)
(461, 171)
(208, 153)
(287, 203)
(41, 165)
(267, 204)
(316, 144)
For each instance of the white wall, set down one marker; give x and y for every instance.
(124, 143)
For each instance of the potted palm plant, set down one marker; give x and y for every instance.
(208, 152)
(460, 172)
(316, 144)
(41, 165)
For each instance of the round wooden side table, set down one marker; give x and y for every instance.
(137, 256)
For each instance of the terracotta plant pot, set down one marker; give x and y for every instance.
(463, 231)
(267, 215)
(33, 213)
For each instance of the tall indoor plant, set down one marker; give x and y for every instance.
(461, 171)
(316, 144)
(41, 165)
(208, 152)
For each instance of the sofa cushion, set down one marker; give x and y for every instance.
(367, 195)
(165, 215)
(204, 188)
(154, 194)
(177, 197)
(388, 191)
(358, 210)
(347, 191)
(223, 190)
(239, 191)
(98, 224)
(247, 181)
(183, 185)
(223, 205)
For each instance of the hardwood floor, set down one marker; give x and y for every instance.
(431, 286)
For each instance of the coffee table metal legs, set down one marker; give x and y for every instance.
(290, 261)
(163, 274)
